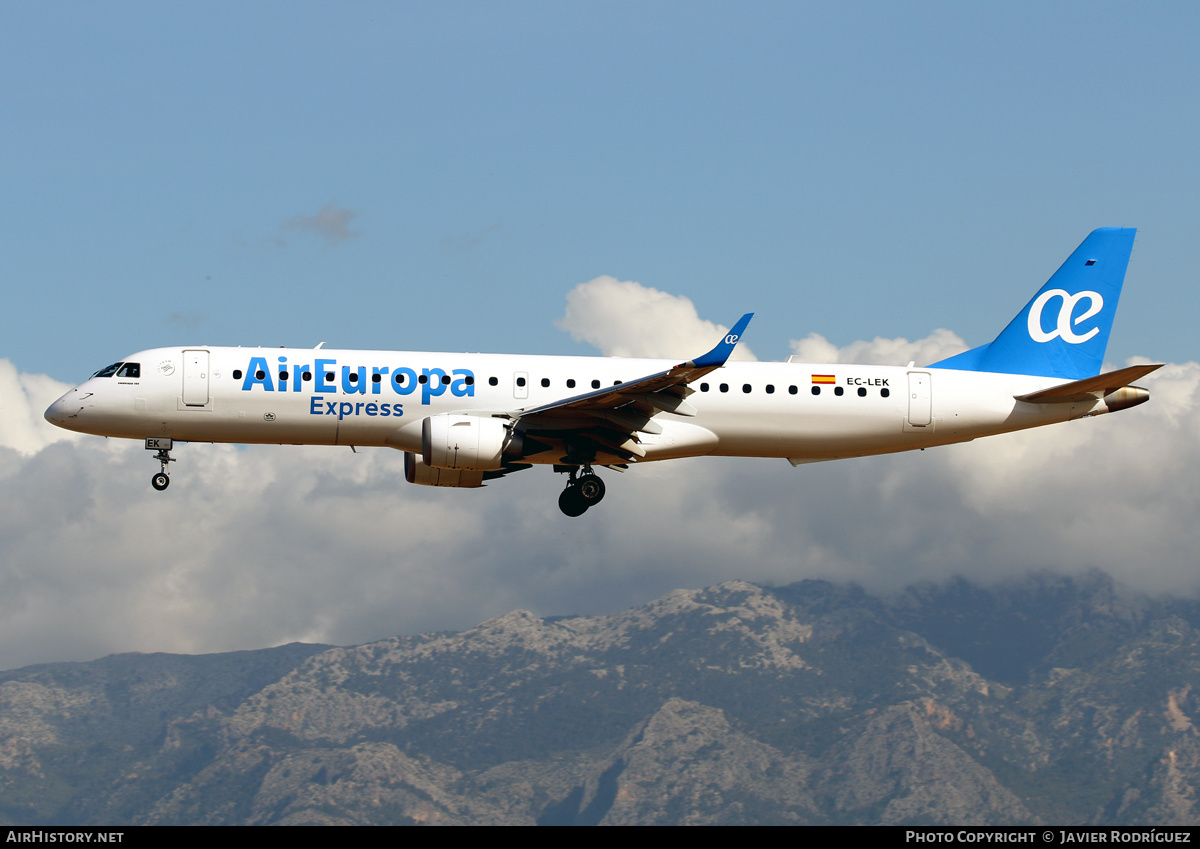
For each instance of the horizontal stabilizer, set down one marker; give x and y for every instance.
(1089, 387)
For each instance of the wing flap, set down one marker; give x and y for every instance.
(664, 401)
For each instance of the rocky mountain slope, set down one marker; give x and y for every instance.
(1052, 700)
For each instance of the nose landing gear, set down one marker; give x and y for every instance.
(162, 479)
(583, 491)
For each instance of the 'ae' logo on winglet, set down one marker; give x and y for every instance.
(1063, 328)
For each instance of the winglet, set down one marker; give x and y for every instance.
(718, 355)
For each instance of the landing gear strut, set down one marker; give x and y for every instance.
(162, 479)
(583, 491)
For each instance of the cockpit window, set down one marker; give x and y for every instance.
(108, 371)
(130, 370)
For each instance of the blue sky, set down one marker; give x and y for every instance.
(850, 169)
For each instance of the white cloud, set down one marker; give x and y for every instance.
(256, 546)
(626, 319)
(623, 318)
(938, 345)
(23, 400)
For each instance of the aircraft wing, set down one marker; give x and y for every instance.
(612, 416)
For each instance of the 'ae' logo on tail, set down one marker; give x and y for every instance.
(1063, 329)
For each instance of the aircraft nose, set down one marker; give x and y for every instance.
(54, 413)
(59, 412)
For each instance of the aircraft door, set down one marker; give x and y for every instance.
(920, 399)
(195, 378)
(520, 384)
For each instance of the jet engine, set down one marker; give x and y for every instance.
(464, 443)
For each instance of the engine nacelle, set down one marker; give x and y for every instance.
(464, 443)
(415, 471)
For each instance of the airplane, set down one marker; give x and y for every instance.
(465, 419)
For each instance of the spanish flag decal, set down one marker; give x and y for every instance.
(824, 378)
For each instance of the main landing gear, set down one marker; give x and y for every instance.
(583, 491)
(161, 480)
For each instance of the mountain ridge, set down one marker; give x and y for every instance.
(808, 703)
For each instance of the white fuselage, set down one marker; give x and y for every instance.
(802, 412)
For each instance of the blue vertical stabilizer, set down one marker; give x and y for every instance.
(1063, 331)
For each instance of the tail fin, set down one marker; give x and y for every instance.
(1063, 331)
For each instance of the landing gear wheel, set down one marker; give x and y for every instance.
(161, 481)
(571, 503)
(590, 489)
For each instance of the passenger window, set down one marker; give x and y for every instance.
(307, 375)
(469, 380)
(884, 393)
(283, 374)
(260, 375)
(237, 374)
(770, 389)
(595, 384)
(792, 390)
(746, 388)
(837, 390)
(354, 377)
(816, 390)
(423, 379)
(570, 383)
(520, 381)
(862, 392)
(130, 370)
(703, 387)
(545, 383)
(492, 381)
(445, 380)
(376, 378)
(724, 387)
(329, 377)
